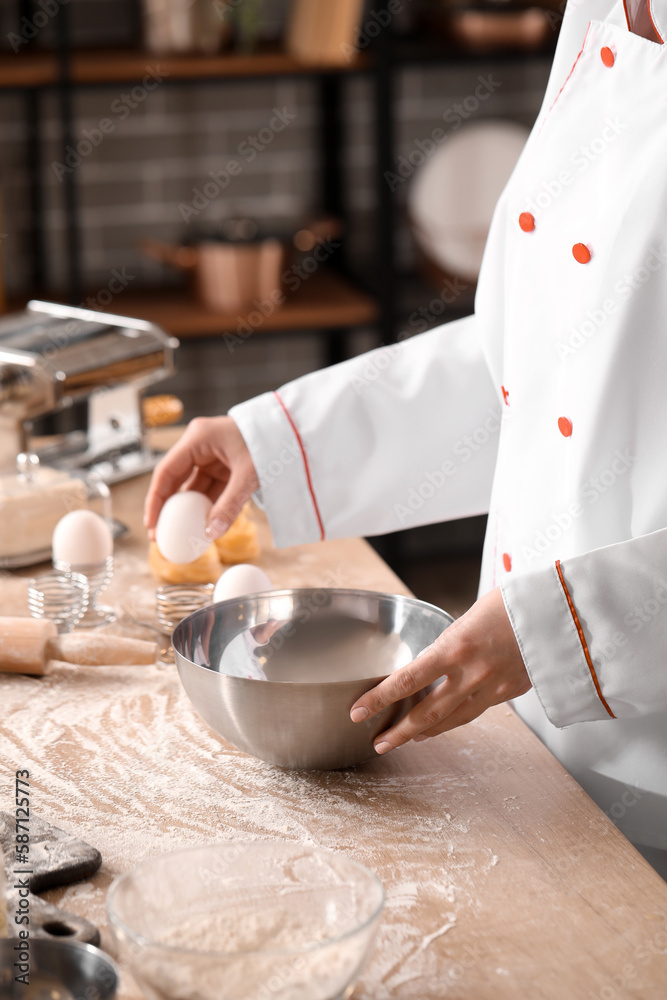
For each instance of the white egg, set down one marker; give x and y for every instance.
(82, 538)
(180, 533)
(240, 580)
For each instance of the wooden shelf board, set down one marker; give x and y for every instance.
(324, 301)
(94, 67)
(28, 69)
(104, 66)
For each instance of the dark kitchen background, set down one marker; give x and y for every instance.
(121, 124)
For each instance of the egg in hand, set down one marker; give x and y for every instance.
(180, 533)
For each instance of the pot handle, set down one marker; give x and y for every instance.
(312, 232)
(184, 258)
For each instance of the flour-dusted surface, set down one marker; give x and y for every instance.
(120, 758)
(496, 865)
(125, 753)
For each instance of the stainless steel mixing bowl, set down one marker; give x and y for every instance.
(276, 674)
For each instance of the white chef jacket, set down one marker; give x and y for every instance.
(547, 409)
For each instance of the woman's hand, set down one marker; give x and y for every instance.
(213, 458)
(479, 658)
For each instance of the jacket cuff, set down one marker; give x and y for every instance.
(282, 469)
(554, 650)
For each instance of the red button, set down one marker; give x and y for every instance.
(506, 395)
(527, 222)
(507, 561)
(581, 253)
(607, 56)
(565, 426)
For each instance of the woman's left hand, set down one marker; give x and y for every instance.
(478, 657)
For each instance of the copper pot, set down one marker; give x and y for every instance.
(230, 275)
(227, 277)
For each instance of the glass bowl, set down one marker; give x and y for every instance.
(234, 921)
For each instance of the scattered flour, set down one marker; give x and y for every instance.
(156, 779)
(430, 938)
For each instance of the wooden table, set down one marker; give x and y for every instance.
(503, 879)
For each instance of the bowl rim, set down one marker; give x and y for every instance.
(116, 922)
(67, 944)
(287, 592)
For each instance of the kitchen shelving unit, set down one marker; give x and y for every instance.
(335, 300)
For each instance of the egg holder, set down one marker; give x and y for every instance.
(174, 602)
(62, 599)
(97, 577)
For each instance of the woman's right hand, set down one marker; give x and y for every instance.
(213, 458)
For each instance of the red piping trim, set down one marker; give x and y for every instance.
(581, 52)
(305, 465)
(582, 638)
(495, 547)
(627, 16)
(650, 14)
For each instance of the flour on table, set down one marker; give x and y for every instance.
(430, 938)
(157, 780)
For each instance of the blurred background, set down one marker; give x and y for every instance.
(278, 183)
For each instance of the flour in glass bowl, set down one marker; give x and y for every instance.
(322, 973)
(231, 922)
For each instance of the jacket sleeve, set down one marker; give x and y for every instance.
(404, 435)
(593, 631)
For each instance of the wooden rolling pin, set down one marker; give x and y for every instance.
(27, 644)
